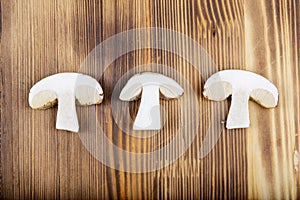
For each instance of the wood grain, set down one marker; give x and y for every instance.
(40, 38)
(271, 50)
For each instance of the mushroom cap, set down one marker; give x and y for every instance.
(222, 84)
(167, 86)
(44, 94)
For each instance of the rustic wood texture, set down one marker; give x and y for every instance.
(271, 50)
(40, 38)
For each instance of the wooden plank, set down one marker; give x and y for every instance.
(296, 59)
(271, 50)
(40, 38)
(7, 183)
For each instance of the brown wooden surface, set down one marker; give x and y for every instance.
(43, 37)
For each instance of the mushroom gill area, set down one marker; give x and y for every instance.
(218, 91)
(264, 98)
(43, 100)
(86, 95)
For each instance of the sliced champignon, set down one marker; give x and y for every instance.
(241, 85)
(65, 89)
(150, 85)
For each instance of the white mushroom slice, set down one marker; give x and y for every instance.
(150, 85)
(65, 88)
(241, 85)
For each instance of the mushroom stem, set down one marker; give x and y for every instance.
(66, 114)
(148, 116)
(238, 116)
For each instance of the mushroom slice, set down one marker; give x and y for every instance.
(150, 85)
(241, 85)
(64, 89)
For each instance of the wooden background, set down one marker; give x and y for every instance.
(44, 37)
